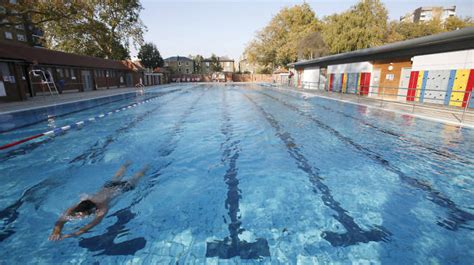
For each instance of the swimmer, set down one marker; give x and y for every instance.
(97, 204)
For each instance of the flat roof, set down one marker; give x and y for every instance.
(12, 51)
(457, 40)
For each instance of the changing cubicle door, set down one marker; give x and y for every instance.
(375, 82)
(86, 80)
(404, 82)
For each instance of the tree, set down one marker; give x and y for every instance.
(150, 56)
(455, 23)
(215, 65)
(277, 44)
(400, 31)
(36, 12)
(197, 63)
(312, 46)
(102, 28)
(362, 26)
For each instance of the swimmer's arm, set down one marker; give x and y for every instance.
(58, 226)
(98, 218)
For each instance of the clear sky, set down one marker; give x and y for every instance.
(184, 27)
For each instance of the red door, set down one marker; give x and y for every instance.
(331, 81)
(470, 83)
(364, 83)
(411, 93)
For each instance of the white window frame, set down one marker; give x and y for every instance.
(8, 35)
(21, 37)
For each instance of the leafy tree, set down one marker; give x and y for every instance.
(312, 46)
(197, 63)
(362, 26)
(399, 31)
(277, 44)
(150, 56)
(215, 65)
(454, 23)
(37, 12)
(102, 28)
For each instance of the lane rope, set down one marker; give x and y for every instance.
(58, 131)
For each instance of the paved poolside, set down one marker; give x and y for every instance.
(430, 112)
(46, 100)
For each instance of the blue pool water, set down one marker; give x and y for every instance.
(243, 174)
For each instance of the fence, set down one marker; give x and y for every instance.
(413, 97)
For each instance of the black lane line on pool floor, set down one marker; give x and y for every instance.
(233, 246)
(96, 152)
(445, 154)
(105, 242)
(28, 148)
(354, 233)
(457, 217)
(35, 195)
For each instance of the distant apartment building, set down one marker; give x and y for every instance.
(23, 33)
(226, 64)
(423, 14)
(180, 65)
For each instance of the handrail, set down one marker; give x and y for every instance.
(383, 94)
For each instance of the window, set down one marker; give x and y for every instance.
(21, 37)
(4, 70)
(66, 73)
(73, 75)
(207, 64)
(106, 73)
(8, 35)
(179, 63)
(187, 71)
(21, 27)
(12, 1)
(187, 63)
(179, 69)
(60, 72)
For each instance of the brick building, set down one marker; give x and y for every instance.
(227, 65)
(24, 33)
(180, 65)
(70, 72)
(423, 14)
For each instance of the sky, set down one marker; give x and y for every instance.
(225, 27)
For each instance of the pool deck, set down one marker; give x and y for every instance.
(48, 100)
(424, 111)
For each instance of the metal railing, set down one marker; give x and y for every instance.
(418, 98)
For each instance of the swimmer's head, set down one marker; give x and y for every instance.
(84, 208)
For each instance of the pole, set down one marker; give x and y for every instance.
(414, 99)
(467, 106)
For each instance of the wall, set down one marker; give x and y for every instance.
(443, 78)
(267, 78)
(443, 61)
(13, 82)
(312, 78)
(352, 78)
(350, 68)
(390, 79)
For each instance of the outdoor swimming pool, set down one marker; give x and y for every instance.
(243, 174)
